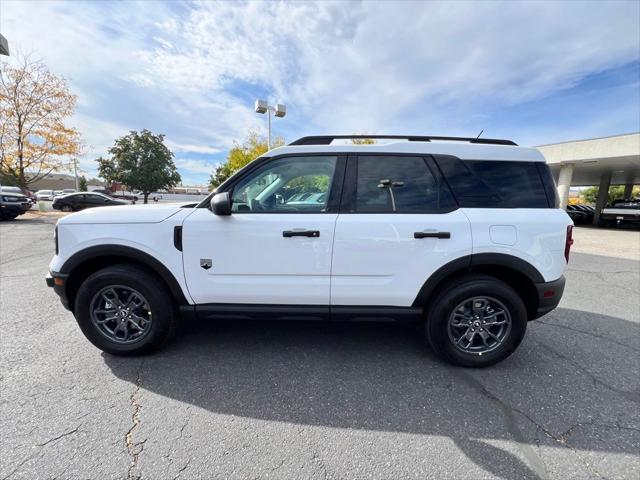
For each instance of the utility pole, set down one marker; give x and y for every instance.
(75, 172)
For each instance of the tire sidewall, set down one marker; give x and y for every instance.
(438, 319)
(159, 299)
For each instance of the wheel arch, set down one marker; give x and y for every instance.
(516, 272)
(85, 262)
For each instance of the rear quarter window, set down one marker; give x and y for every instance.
(495, 184)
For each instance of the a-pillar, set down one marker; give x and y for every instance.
(603, 195)
(564, 183)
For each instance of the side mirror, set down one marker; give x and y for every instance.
(221, 204)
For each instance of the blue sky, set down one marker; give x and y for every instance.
(535, 72)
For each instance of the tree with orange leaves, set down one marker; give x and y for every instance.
(34, 137)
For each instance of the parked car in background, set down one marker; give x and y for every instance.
(620, 212)
(57, 193)
(133, 197)
(18, 190)
(81, 200)
(580, 213)
(126, 196)
(67, 191)
(44, 195)
(13, 203)
(576, 215)
(22, 191)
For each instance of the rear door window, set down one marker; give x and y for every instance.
(494, 184)
(400, 184)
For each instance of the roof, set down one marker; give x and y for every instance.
(463, 150)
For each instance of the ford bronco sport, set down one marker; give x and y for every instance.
(461, 236)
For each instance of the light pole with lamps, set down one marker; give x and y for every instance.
(279, 110)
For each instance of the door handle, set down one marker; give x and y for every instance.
(301, 233)
(431, 234)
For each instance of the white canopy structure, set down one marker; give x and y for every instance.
(598, 161)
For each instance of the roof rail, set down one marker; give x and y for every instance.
(327, 139)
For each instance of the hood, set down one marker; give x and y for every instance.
(21, 196)
(123, 214)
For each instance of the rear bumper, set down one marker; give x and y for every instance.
(549, 296)
(58, 281)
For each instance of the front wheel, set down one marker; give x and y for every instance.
(475, 321)
(67, 208)
(125, 310)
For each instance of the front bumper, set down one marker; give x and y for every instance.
(549, 295)
(620, 217)
(15, 208)
(58, 281)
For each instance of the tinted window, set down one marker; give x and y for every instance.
(399, 184)
(494, 184)
(287, 185)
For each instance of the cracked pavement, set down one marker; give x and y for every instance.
(321, 401)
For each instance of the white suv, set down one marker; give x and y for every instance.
(461, 236)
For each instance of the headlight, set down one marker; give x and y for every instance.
(7, 198)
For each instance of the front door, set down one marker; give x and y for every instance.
(276, 246)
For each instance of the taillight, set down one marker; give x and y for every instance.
(568, 242)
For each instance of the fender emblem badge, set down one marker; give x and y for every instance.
(205, 263)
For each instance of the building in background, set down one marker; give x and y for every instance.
(60, 181)
(602, 162)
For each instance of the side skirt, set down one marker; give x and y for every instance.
(229, 311)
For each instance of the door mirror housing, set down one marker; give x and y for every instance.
(221, 204)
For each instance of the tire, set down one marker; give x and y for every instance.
(456, 297)
(8, 217)
(66, 208)
(155, 316)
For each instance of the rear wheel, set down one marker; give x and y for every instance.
(475, 321)
(125, 310)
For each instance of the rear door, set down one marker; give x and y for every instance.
(275, 248)
(398, 224)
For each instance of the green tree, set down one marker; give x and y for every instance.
(219, 175)
(108, 171)
(140, 161)
(241, 154)
(590, 194)
(82, 184)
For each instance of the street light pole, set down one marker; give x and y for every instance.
(279, 110)
(269, 129)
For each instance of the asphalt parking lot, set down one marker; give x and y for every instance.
(322, 401)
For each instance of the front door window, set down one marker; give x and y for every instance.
(286, 185)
